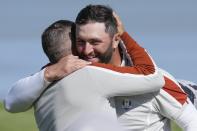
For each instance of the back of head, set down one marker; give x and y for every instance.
(98, 13)
(56, 40)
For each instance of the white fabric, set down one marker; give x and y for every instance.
(191, 89)
(95, 122)
(25, 91)
(141, 112)
(84, 90)
(188, 118)
(64, 103)
(153, 111)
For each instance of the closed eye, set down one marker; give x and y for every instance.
(95, 42)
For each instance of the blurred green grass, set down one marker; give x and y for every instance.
(17, 121)
(175, 127)
(25, 121)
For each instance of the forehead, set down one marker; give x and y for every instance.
(90, 30)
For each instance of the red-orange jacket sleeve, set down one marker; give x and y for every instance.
(142, 62)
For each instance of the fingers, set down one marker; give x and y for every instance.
(64, 67)
(78, 64)
(120, 26)
(72, 63)
(75, 60)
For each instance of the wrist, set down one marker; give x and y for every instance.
(46, 82)
(48, 75)
(121, 32)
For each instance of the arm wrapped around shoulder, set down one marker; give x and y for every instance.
(111, 83)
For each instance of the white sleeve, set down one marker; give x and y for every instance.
(24, 92)
(111, 83)
(105, 83)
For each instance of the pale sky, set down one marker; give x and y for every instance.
(167, 29)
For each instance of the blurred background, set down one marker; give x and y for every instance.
(167, 29)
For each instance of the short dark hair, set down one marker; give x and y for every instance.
(56, 40)
(98, 13)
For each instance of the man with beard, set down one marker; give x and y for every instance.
(95, 39)
(64, 101)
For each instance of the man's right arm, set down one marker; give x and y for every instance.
(24, 92)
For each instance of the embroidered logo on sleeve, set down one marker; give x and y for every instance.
(126, 104)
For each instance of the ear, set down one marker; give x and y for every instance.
(116, 40)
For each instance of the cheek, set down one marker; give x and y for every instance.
(103, 48)
(98, 49)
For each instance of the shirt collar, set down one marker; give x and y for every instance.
(126, 59)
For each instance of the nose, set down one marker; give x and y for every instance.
(88, 49)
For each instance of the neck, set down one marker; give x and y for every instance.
(116, 58)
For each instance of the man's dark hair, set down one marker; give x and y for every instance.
(56, 40)
(98, 13)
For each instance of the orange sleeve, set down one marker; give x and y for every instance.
(142, 63)
(174, 90)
